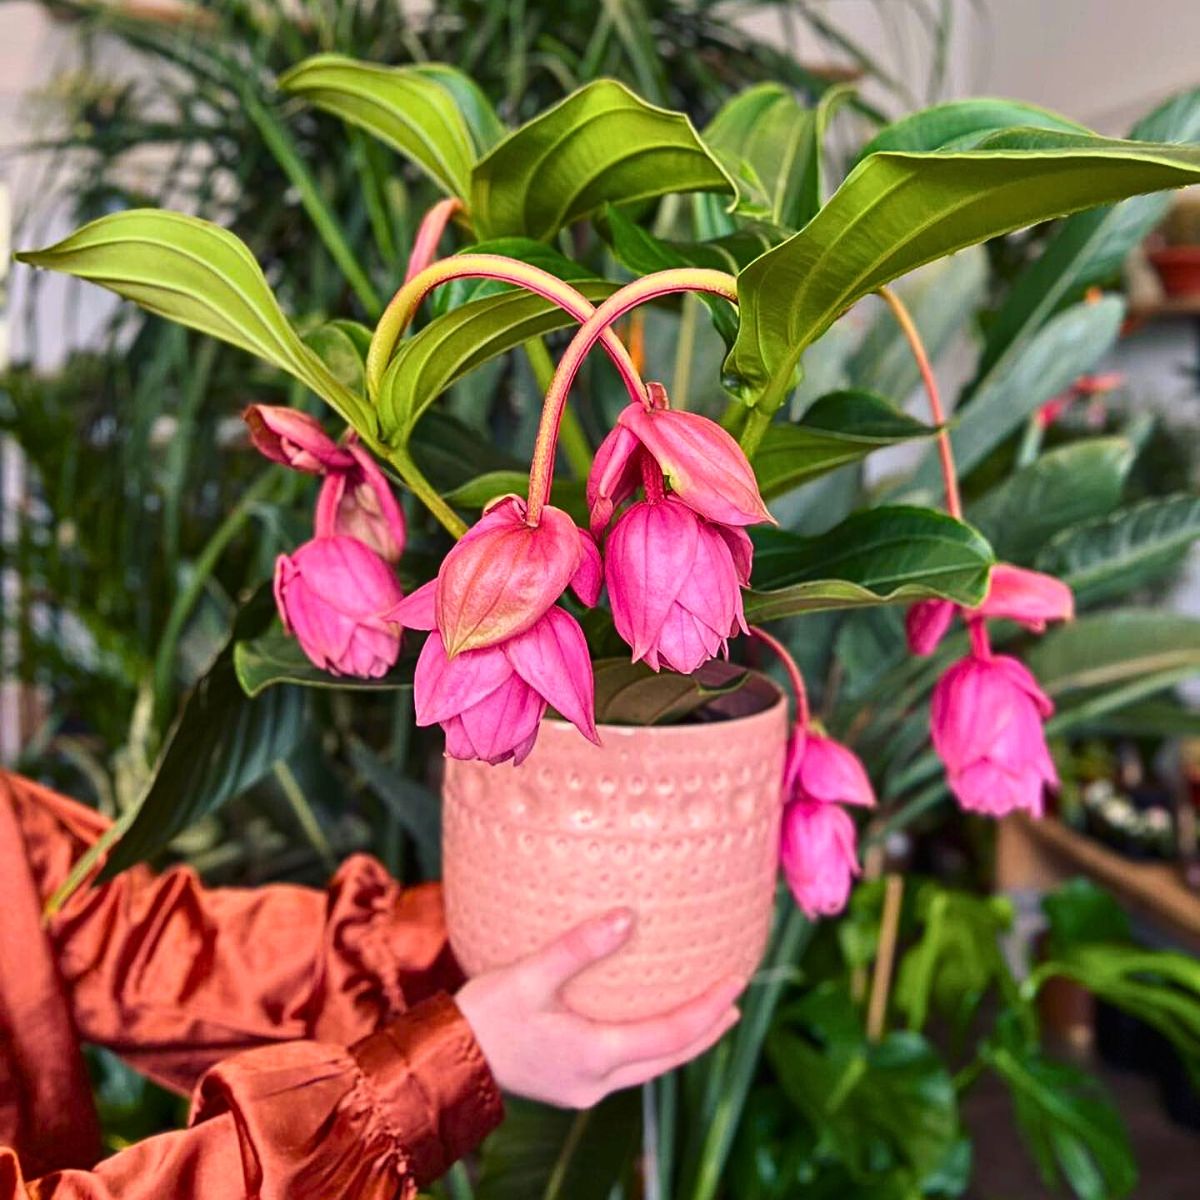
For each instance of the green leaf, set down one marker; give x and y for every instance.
(840, 428)
(1072, 343)
(629, 693)
(1109, 648)
(460, 291)
(342, 347)
(896, 211)
(485, 126)
(568, 494)
(887, 555)
(542, 1153)
(1088, 247)
(767, 141)
(1068, 1122)
(600, 145)
(1079, 911)
(1122, 551)
(950, 123)
(200, 275)
(1071, 484)
(409, 108)
(427, 363)
(276, 658)
(450, 452)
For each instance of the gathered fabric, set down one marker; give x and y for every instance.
(315, 1031)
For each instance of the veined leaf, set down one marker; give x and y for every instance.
(629, 693)
(896, 211)
(1071, 484)
(427, 363)
(567, 494)
(840, 428)
(200, 275)
(485, 126)
(342, 347)
(276, 658)
(528, 250)
(1122, 551)
(410, 108)
(1067, 346)
(878, 556)
(600, 145)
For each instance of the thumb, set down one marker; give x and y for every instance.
(558, 963)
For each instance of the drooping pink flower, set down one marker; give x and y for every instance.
(358, 502)
(986, 721)
(504, 574)
(821, 770)
(818, 851)
(703, 465)
(490, 701)
(673, 582)
(294, 439)
(339, 599)
(1030, 598)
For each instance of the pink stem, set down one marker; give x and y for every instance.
(781, 651)
(429, 233)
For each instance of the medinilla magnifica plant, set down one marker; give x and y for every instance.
(622, 560)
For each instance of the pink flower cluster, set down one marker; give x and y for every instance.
(338, 593)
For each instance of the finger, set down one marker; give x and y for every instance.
(667, 1035)
(555, 965)
(633, 1074)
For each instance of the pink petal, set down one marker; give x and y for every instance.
(614, 476)
(293, 438)
(360, 503)
(1030, 597)
(831, 772)
(416, 610)
(587, 581)
(819, 856)
(926, 624)
(504, 721)
(553, 659)
(446, 687)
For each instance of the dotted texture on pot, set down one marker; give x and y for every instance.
(679, 823)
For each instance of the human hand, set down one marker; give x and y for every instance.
(539, 1048)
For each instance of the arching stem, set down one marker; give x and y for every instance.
(404, 304)
(429, 233)
(789, 663)
(945, 449)
(594, 329)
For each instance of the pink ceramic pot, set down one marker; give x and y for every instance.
(680, 823)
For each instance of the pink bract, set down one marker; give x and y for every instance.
(1029, 597)
(294, 439)
(358, 502)
(339, 599)
(822, 770)
(818, 851)
(986, 721)
(504, 574)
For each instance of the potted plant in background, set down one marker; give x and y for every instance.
(1175, 249)
(918, 192)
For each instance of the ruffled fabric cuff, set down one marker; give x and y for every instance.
(430, 1077)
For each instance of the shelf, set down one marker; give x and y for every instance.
(1041, 854)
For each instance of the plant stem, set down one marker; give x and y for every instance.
(794, 673)
(881, 981)
(756, 426)
(404, 304)
(576, 448)
(429, 233)
(650, 287)
(945, 449)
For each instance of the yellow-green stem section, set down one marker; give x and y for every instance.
(650, 287)
(576, 448)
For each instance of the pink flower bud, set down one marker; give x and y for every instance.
(614, 477)
(818, 851)
(490, 701)
(986, 720)
(823, 771)
(503, 575)
(359, 503)
(294, 439)
(1029, 597)
(339, 599)
(673, 585)
(926, 623)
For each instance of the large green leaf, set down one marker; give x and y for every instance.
(276, 658)
(896, 211)
(767, 140)
(1109, 648)
(542, 1153)
(886, 555)
(840, 428)
(427, 363)
(1074, 483)
(1124, 550)
(528, 250)
(1089, 247)
(600, 145)
(200, 275)
(630, 693)
(951, 123)
(412, 110)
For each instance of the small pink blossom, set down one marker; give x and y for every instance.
(819, 854)
(926, 623)
(673, 582)
(986, 721)
(358, 502)
(504, 574)
(339, 599)
(821, 770)
(294, 439)
(491, 701)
